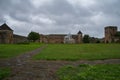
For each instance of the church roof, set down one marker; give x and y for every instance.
(5, 27)
(79, 32)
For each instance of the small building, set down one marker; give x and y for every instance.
(69, 39)
(79, 37)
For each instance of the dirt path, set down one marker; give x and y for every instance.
(23, 68)
(45, 70)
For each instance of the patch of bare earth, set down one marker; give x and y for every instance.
(23, 68)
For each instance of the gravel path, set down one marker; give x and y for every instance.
(23, 68)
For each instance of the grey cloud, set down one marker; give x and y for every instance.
(60, 16)
(64, 13)
(59, 7)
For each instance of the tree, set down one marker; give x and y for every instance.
(33, 36)
(117, 34)
(86, 39)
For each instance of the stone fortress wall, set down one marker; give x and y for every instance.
(7, 36)
(62, 38)
(110, 34)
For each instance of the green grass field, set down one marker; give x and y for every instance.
(79, 51)
(90, 72)
(12, 50)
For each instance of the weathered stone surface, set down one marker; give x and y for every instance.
(110, 32)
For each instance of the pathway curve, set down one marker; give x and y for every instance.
(21, 59)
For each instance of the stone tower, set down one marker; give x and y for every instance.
(79, 39)
(110, 32)
(6, 34)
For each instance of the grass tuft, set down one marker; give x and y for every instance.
(90, 72)
(4, 72)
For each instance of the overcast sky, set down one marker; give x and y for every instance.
(60, 16)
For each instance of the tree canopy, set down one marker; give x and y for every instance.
(33, 36)
(86, 39)
(117, 34)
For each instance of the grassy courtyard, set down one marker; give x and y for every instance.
(68, 52)
(90, 72)
(12, 50)
(79, 52)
